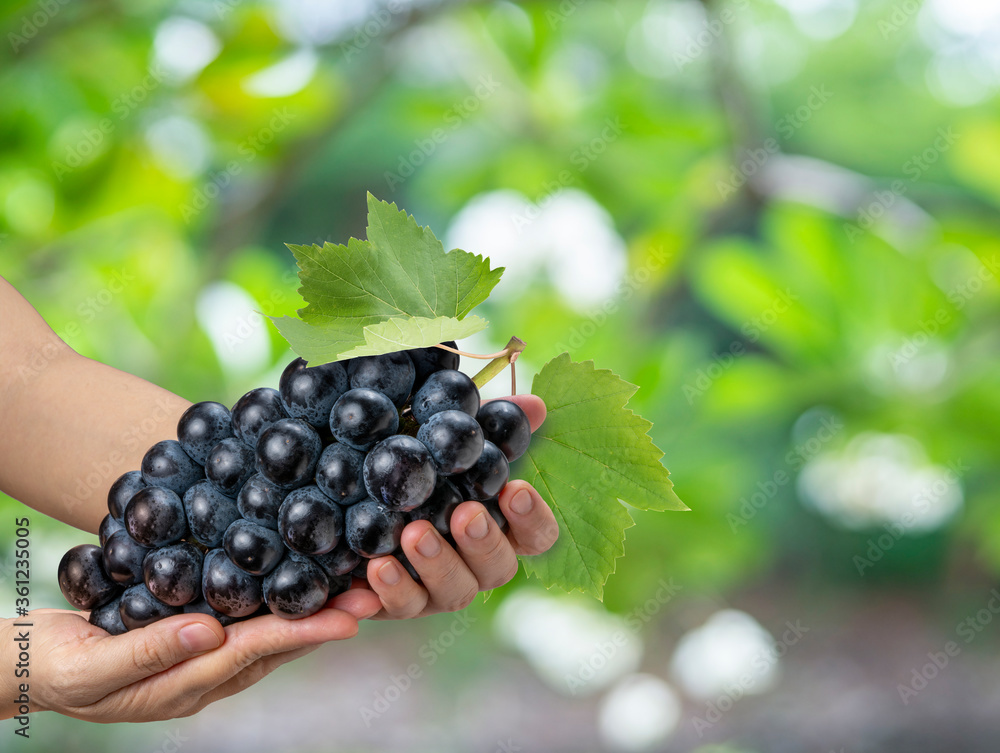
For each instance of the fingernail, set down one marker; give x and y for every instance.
(429, 546)
(389, 574)
(478, 527)
(522, 502)
(198, 638)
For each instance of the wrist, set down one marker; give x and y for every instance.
(16, 699)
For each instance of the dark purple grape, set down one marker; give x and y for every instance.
(487, 477)
(309, 392)
(287, 452)
(428, 360)
(391, 374)
(399, 472)
(82, 578)
(139, 607)
(122, 491)
(255, 411)
(201, 606)
(252, 547)
(166, 464)
(362, 417)
(173, 573)
(361, 569)
(109, 618)
(229, 465)
(296, 588)
(505, 425)
(340, 561)
(372, 529)
(123, 558)
(309, 522)
(339, 584)
(155, 517)
(445, 390)
(407, 565)
(455, 441)
(209, 513)
(108, 526)
(227, 588)
(203, 426)
(260, 500)
(492, 506)
(439, 508)
(340, 474)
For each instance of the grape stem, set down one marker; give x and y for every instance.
(480, 356)
(499, 361)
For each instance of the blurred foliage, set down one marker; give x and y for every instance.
(795, 209)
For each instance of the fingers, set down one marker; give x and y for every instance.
(401, 596)
(176, 691)
(486, 551)
(254, 639)
(449, 582)
(533, 527)
(532, 406)
(121, 660)
(166, 669)
(360, 603)
(486, 558)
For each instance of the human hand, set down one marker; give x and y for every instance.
(486, 557)
(172, 668)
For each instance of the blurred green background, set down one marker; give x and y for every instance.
(778, 217)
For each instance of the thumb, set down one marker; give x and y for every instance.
(138, 654)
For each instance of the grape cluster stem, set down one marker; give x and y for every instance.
(499, 361)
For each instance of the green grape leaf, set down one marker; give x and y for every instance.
(418, 332)
(398, 289)
(591, 454)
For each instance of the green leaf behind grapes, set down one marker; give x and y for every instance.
(591, 454)
(398, 289)
(418, 332)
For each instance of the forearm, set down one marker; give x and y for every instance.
(71, 425)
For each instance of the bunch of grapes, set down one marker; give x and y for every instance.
(276, 505)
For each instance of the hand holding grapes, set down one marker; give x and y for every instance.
(148, 673)
(178, 665)
(171, 668)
